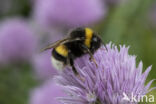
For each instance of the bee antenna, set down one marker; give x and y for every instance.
(45, 49)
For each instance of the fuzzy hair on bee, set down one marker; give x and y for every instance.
(80, 41)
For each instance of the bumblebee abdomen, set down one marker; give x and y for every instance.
(59, 65)
(62, 50)
(60, 53)
(59, 57)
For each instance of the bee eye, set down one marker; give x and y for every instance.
(95, 39)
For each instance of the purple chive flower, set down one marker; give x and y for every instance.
(17, 41)
(46, 94)
(42, 65)
(42, 61)
(68, 12)
(115, 76)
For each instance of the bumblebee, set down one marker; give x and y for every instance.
(79, 42)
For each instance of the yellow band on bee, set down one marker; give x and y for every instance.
(89, 34)
(62, 50)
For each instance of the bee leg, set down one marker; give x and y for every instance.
(74, 70)
(91, 55)
(93, 59)
(72, 65)
(71, 62)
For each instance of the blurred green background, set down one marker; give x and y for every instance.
(125, 23)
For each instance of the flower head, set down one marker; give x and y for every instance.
(46, 94)
(68, 12)
(42, 61)
(116, 74)
(42, 66)
(17, 41)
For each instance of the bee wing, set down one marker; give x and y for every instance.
(60, 42)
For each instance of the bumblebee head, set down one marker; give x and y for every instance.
(95, 43)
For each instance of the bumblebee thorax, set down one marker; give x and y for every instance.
(88, 36)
